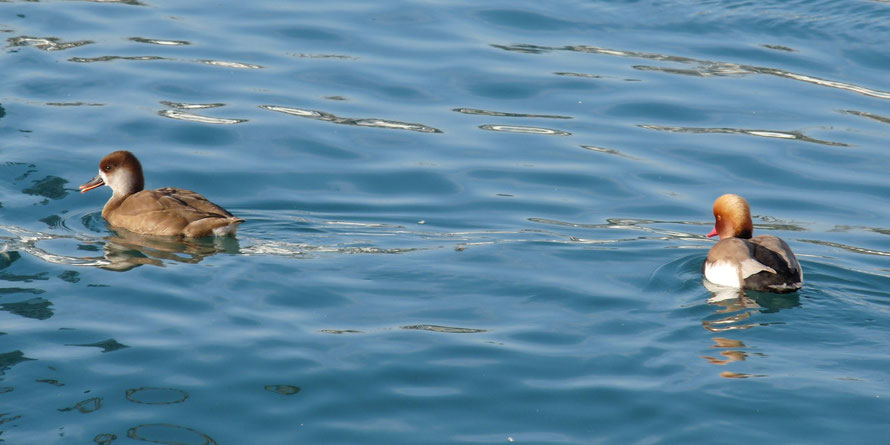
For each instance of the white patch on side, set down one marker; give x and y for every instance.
(723, 273)
(228, 230)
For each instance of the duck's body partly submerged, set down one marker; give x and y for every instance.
(165, 211)
(763, 263)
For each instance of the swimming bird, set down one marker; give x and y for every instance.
(165, 211)
(763, 263)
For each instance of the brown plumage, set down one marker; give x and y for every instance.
(165, 211)
(763, 263)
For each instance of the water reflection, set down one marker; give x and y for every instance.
(35, 308)
(52, 187)
(190, 117)
(443, 329)
(286, 390)
(156, 396)
(633, 224)
(124, 250)
(222, 63)
(591, 76)
(170, 434)
(105, 438)
(608, 151)
(322, 56)
(698, 68)
(109, 345)
(226, 64)
(505, 114)
(87, 406)
(736, 311)
(46, 43)
(872, 116)
(796, 135)
(862, 250)
(732, 351)
(110, 58)
(361, 122)
(73, 104)
(10, 359)
(123, 2)
(177, 113)
(526, 130)
(160, 42)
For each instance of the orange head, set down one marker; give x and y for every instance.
(732, 217)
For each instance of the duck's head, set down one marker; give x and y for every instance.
(119, 170)
(732, 217)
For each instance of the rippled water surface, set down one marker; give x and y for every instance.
(466, 222)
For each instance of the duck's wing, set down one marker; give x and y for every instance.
(170, 211)
(770, 246)
(174, 197)
(776, 254)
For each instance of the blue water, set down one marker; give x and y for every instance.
(466, 222)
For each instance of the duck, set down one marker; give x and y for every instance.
(763, 263)
(165, 211)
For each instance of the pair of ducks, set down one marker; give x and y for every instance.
(762, 263)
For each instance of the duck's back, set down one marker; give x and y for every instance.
(172, 211)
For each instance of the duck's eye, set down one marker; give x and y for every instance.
(108, 168)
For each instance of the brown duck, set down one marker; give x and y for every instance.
(763, 263)
(165, 211)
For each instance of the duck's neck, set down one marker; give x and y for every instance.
(122, 186)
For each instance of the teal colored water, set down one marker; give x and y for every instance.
(466, 222)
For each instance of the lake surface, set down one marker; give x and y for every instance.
(466, 222)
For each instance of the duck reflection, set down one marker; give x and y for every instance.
(735, 311)
(125, 250)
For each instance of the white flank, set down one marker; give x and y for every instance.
(723, 273)
(228, 230)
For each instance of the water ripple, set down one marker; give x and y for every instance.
(156, 396)
(525, 130)
(862, 250)
(87, 406)
(175, 114)
(872, 116)
(109, 345)
(74, 104)
(608, 151)
(170, 434)
(796, 135)
(504, 114)
(111, 58)
(221, 63)
(365, 122)
(226, 64)
(159, 41)
(443, 329)
(46, 43)
(700, 68)
(185, 106)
